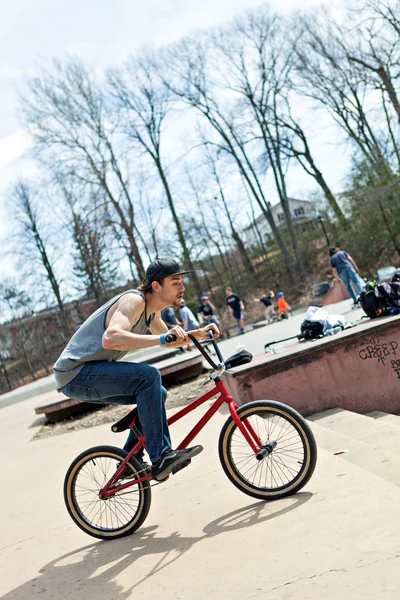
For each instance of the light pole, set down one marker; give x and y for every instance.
(321, 220)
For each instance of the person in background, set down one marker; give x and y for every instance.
(283, 306)
(268, 306)
(345, 268)
(207, 310)
(169, 317)
(189, 321)
(235, 307)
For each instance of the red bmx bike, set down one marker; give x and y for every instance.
(266, 449)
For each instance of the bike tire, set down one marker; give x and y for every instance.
(95, 467)
(239, 465)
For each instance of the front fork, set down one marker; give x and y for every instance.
(250, 434)
(246, 428)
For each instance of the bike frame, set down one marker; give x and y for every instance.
(224, 397)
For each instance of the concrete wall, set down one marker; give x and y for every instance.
(336, 294)
(357, 369)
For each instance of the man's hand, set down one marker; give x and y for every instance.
(181, 336)
(211, 327)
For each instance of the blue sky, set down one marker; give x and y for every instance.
(103, 33)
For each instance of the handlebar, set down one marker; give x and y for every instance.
(170, 337)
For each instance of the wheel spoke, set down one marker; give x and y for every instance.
(104, 515)
(283, 465)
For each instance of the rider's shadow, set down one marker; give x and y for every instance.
(93, 569)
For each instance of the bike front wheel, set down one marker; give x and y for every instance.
(120, 514)
(287, 464)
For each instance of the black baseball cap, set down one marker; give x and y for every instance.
(163, 267)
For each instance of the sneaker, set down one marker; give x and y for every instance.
(172, 459)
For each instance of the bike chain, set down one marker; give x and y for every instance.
(153, 482)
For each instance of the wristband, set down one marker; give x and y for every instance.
(162, 340)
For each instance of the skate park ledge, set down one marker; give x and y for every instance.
(357, 369)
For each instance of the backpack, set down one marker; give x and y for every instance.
(373, 301)
(310, 330)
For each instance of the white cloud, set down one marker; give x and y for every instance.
(13, 146)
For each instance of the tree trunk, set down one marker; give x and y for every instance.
(186, 254)
(242, 251)
(4, 370)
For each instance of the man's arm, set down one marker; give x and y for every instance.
(159, 326)
(126, 313)
(334, 269)
(353, 262)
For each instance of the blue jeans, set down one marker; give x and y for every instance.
(127, 383)
(347, 275)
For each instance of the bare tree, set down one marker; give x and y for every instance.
(212, 165)
(375, 48)
(3, 362)
(93, 265)
(329, 77)
(187, 76)
(19, 307)
(144, 104)
(254, 60)
(31, 244)
(73, 127)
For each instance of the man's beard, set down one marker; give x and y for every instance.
(177, 302)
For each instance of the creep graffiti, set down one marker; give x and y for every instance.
(396, 367)
(375, 350)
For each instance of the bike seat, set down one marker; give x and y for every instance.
(125, 422)
(240, 358)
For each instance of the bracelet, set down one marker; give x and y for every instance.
(162, 340)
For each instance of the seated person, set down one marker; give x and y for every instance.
(283, 306)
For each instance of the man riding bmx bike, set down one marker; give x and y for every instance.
(89, 368)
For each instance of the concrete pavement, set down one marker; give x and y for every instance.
(337, 539)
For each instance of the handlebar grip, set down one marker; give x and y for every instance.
(170, 337)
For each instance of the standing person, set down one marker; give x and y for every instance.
(189, 321)
(268, 306)
(344, 268)
(207, 310)
(235, 307)
(169, 317)
(89, 368)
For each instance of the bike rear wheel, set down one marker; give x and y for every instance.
(291, 445)
(120, 514)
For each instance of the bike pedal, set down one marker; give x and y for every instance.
(181, 466)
